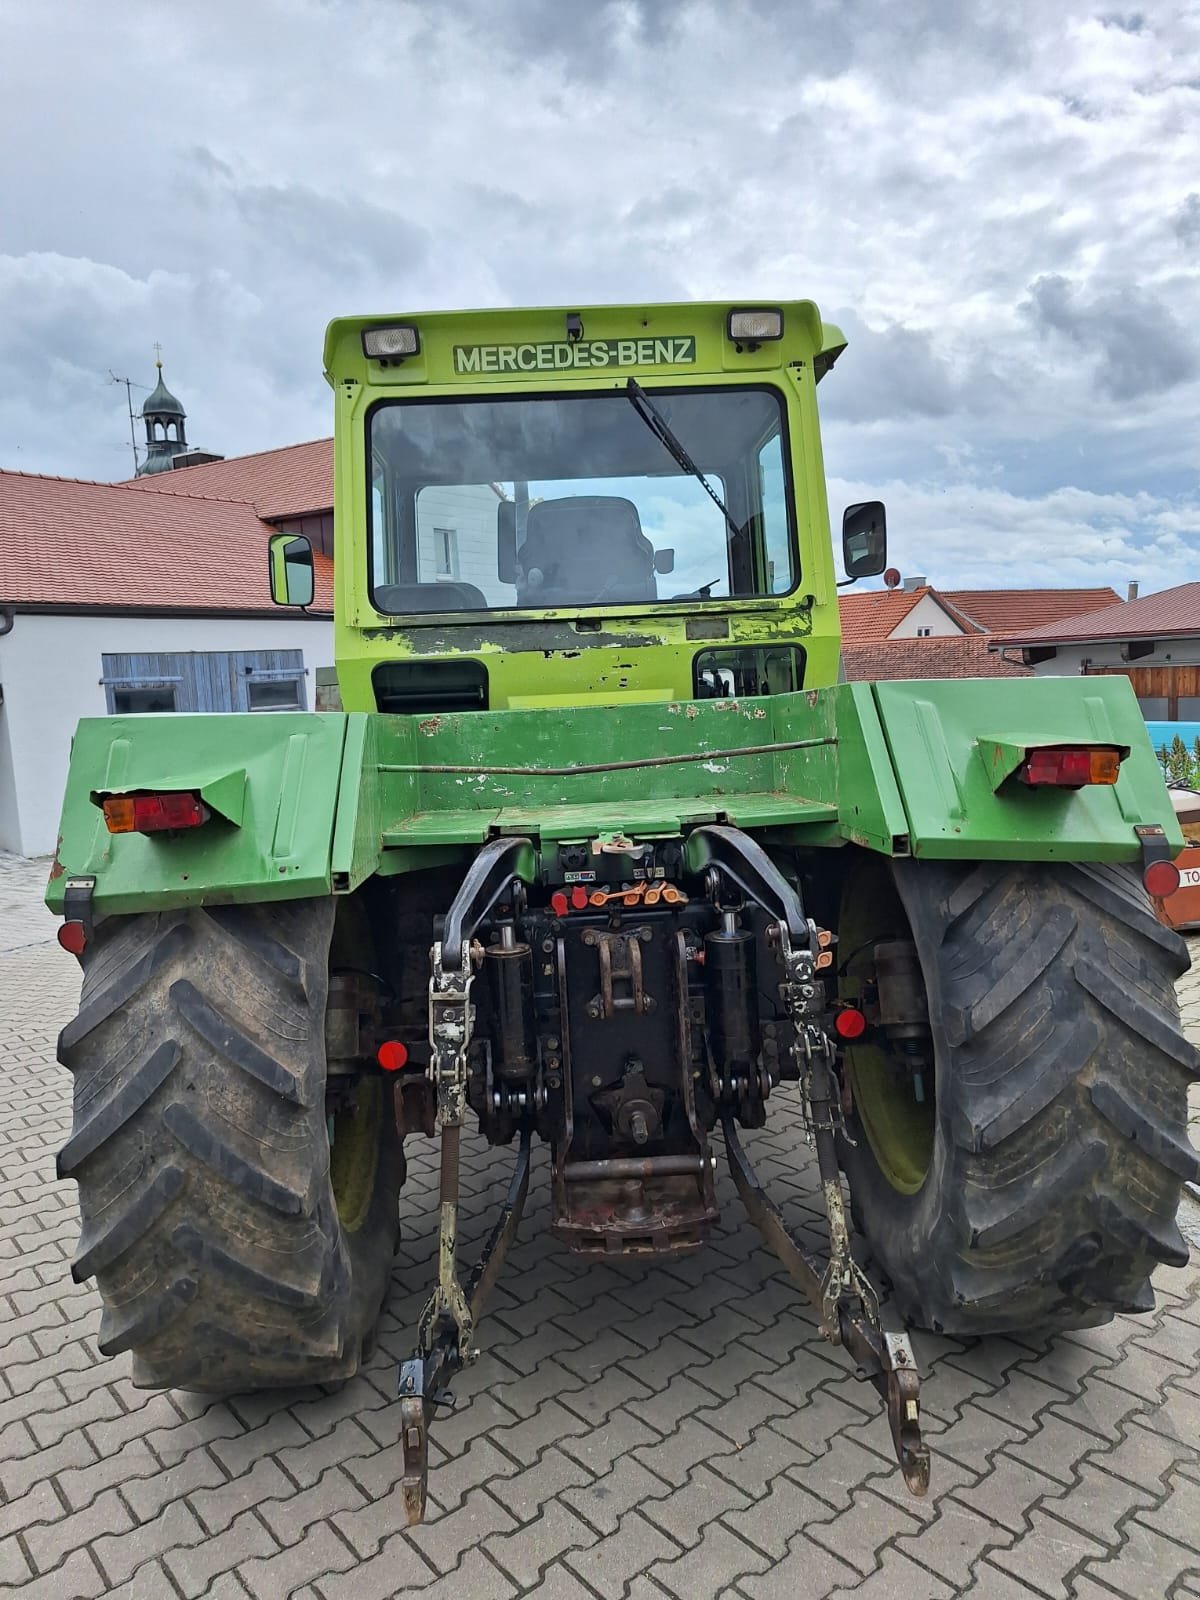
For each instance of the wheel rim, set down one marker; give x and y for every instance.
(354, 1154)
(899, 1128)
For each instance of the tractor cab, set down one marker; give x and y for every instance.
(561, 508)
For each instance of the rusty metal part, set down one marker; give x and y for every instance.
(425, 1377)
(416, 1104)
(632, 1167)
(661, 1213)
(451, 1019)
(607, 766)
(885, 1357)
(620, 958)
(351, 1018)
(447, 1306)
(634, 1108)
(903, 1007)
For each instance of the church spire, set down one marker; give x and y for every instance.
(164, 419)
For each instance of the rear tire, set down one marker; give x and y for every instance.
(1040, 1188)
(201, 1151)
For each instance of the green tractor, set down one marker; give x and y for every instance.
(601, 851)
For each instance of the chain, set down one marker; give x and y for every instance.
(451, 1020)
(813, 1053)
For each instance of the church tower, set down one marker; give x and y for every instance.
(165, 434)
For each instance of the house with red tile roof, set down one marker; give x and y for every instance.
(960, 656)
(920, 611)
(1015, 610)
(1154, 642)
(118, 600)
(286, 487)
(916, 611)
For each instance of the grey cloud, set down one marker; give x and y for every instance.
(897, 373)
(334, 234)
(1186, 221)
(666, 208)
(1140, 345)
(216, 188)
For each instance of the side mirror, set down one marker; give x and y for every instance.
(664, 561)
(290, 564)
(864, 539)
(506, 541)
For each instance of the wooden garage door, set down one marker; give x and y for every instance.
(205, 680)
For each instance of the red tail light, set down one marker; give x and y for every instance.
(850, 1023)
(154, 813)
(1161, 879)
(1071, 767)
(73, 937)
(392, 1055)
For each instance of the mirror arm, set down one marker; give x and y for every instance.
(844, 583)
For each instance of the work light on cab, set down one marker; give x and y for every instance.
(391, 343)
(154, 813)
(754, 324)
(1070, 767)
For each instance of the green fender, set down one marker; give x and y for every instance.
(315, 803)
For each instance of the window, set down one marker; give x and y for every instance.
(126, 702)
(924, 633)
(275, 694)
(1188, 708)
(575, 500)
(445, 553)
(1155, 708)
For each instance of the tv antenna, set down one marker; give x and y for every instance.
(129, 388)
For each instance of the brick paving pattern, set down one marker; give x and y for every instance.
(629, 1433)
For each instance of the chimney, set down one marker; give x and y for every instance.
(1131, 593)
(917, 581)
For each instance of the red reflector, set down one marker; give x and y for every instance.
(579, 897)
(1067, 767)
(1161, 879)
(154, 813)
(72, 937)
(392, 1055)
(850, 1024)
(558, 903)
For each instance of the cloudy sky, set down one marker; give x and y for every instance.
(1000, 203)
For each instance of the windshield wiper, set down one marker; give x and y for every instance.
(640, 401)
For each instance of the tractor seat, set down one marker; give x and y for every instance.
(587, 548)
(403, 599)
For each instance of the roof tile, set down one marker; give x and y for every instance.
(956, 656)
(65, 542)
(294, 481)
(1007, 610)
(1174, 612)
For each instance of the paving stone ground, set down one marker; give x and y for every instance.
(676, 1432)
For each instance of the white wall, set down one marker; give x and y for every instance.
(50, 669)
(470, 511)
(1069, 659)
(926, 614)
